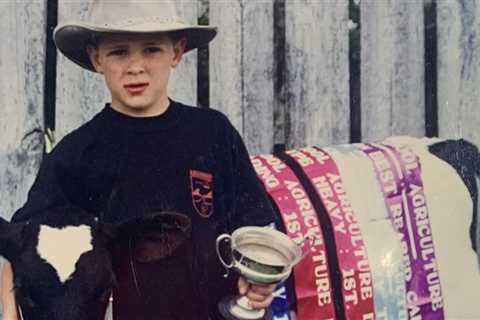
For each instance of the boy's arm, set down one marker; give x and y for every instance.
(55, 185)
(252, 205)
(9, 305)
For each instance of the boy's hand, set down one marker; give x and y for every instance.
(259, 295)
(7, 296)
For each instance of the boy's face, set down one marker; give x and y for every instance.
(136, 70)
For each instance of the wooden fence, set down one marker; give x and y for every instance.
(282, 70)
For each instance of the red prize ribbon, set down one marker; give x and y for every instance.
(357, 286)
(398, 171)
(311, 275)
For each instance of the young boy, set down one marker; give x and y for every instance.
(146, 153)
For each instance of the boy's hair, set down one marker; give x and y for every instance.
(95, 39)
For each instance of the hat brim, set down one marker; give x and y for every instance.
(72, 38)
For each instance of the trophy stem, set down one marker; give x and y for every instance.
(237, 308)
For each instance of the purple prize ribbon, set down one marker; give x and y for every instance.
(399, 173)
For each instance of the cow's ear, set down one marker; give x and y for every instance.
(118, 231)
(3, 222)
(108, 231)
(10, 238)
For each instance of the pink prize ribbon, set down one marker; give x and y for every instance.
(311, 275)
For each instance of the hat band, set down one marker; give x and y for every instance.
(139, 21)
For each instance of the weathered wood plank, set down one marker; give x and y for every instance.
(458, 25)
(317, 72)
(279, 72)
(392, 69)
(183, 82)
(81, 94)
(241, 68)
(22, 26)
(258, 64)
(226, 60)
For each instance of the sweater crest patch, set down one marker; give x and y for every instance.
(201, 184)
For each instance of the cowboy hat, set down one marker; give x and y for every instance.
(126, 16)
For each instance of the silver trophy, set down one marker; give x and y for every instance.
(261, 255)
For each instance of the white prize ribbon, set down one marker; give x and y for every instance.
(383, 245)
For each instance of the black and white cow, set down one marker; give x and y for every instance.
(63, 263)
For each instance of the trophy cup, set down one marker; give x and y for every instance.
(261, 255)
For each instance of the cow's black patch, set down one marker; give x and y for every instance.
(463, 156)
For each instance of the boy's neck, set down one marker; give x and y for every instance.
(153, 111)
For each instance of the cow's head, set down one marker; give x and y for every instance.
(63, 265)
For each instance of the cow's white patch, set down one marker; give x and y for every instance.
(422, 143)
(62, 248)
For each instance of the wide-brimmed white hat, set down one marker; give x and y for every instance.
(126, 16)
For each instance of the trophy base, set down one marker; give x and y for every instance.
(230, 309)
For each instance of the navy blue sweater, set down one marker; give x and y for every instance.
(188, 160)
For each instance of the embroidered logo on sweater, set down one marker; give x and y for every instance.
(202, 193)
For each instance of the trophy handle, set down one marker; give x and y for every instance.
(221, 238)
(312, 239)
